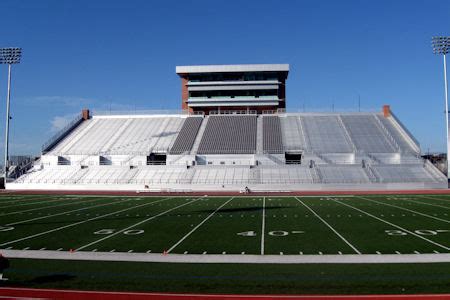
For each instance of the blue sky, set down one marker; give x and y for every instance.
(122, 55)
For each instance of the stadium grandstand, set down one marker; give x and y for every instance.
(233, 132)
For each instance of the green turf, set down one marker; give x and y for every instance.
(293, 225)
(231, 278)
(369, 224)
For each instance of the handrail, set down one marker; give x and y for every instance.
(62, 133)
(371, 173)
(388, 134)
(347, 133)
(406, 131)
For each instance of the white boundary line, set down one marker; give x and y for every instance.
(230, 258)
(198, 226)
(396, 226)
(136, 224)
(407, 209)
(329, 226)
(78, 223)
(263, 225)
(66, 212)
(44, 207)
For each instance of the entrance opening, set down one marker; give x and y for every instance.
(157, 159)
(293, 158)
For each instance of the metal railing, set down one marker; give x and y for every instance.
(233, 112)
(62, 133)
(386, 132)
(138, 112)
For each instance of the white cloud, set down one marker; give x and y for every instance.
(61, 100)
(59, 122)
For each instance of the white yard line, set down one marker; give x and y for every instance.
(65, 212)
(19, 200)
(32, 203)
(80, 222)
(434, 198)
(44, 207)
(407, 209)
(230, 258)
(198, 226)
(394, 225)
(425, 203)
(329, 226)
(263, 225)
(136, 224)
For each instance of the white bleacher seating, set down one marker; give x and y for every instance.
(226, 134)
(272, 137)
(293, 137)
(326, 135)
(366, 134)
(336, 149)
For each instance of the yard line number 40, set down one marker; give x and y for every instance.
(272, 233)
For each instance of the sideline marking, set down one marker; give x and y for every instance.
(80, 222)
(329, 226)
(263, 225)
(66, 212)
(396, 226)
(407, 209)
(196, 227)
(237, 258)
(136, 224)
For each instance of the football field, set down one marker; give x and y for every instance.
(241, 225)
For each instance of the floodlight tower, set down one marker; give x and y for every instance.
(9, 56)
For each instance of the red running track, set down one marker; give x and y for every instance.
(18, 293)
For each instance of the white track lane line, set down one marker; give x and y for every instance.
(81, 222)
(406, 209)
(329, 226)
(263, 226)
(65, 212)
(44, 207)
(137, 224)
(198, 226)
(393, 225)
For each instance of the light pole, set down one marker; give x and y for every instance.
(9, 56)
(441, 45)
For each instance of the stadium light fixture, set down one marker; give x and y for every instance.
(9, 56)
(441, 45)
